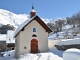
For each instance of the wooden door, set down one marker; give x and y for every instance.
(34, 46)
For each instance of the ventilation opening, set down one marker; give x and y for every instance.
(34, 35)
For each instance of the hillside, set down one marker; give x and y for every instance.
(12, 19)
(62, 27)
(7, 17)
(5, 28)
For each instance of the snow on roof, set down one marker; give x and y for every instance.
(2, 37)
(22, 25)
(33, 10)
(10, 34)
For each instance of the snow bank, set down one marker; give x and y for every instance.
(71, 54)
(69, 41)
(53, 49)
(8, 54)
(56, 52)
(78, 36)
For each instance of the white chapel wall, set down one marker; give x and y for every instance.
(26, 37)
(17, 46)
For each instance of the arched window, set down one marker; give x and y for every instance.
(34, 29)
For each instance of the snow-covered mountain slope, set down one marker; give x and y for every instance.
(7, 17)
(52, 20)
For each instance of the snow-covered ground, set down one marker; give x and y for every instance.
(39, 56)
(64, 34)
(68, 41)
(52, 54)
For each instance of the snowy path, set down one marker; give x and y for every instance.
(29, 57)
(44, 56)
(41, 56)
(49, 56)
(54, 57)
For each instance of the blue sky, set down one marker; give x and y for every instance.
(44, 8)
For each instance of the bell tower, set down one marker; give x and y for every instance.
(33, 12)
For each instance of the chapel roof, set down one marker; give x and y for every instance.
(25, 23)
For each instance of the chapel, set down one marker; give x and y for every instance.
(31, 36)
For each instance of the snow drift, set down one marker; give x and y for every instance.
(71, 54)
(68, 41)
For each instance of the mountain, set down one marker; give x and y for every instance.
(52, 20)
(7, 17)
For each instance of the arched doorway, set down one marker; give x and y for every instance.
(34, 46)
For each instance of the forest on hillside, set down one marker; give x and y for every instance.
(4, 28)
(56, 26)
(74, 20)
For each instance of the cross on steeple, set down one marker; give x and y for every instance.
(33, 12)
(32, 6)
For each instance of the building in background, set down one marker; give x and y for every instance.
(10, 41)
(2, 42)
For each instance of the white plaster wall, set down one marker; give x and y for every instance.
(26, 37)
(17, 46)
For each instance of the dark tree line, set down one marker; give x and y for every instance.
(57, 25)
(4, 28)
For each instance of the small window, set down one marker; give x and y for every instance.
(34, 35)
(34, 29)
